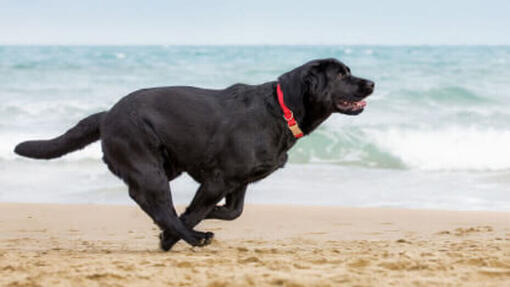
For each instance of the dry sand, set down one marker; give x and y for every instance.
(100, 245)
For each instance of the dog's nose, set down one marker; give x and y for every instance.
(369, 84)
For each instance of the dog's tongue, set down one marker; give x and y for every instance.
(352, 105)
(360, 104)
(357, 105)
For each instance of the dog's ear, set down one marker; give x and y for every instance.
(317, 77)
(304, 81)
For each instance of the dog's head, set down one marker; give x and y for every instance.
(325, 86)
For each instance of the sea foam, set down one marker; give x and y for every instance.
(451, 148)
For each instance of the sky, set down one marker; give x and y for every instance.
(262, 22)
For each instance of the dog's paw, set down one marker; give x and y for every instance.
(167, 241)
(204, 238)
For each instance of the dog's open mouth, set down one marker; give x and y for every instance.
(351, 107)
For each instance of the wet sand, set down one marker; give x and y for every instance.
(270, 245)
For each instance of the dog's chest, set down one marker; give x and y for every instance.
(265, 165)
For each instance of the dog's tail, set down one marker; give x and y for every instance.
(84, 133)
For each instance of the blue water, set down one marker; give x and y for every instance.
(435, 134)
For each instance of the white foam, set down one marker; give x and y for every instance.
(452, 148)
(43, 108)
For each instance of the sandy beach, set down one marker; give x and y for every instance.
(270, 245)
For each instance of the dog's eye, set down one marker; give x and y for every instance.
(341, 76)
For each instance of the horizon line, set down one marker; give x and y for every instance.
(244, 45)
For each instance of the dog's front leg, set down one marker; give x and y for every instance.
(205, 200)
(233, 206)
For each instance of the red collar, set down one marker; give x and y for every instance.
(288, 115)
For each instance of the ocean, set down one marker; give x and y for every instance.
(435, 133)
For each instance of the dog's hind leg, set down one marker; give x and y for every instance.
(150, 189)
(233, 206)
(136, 157)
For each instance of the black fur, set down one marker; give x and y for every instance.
(224, 139)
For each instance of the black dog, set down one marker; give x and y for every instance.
(224, 139)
